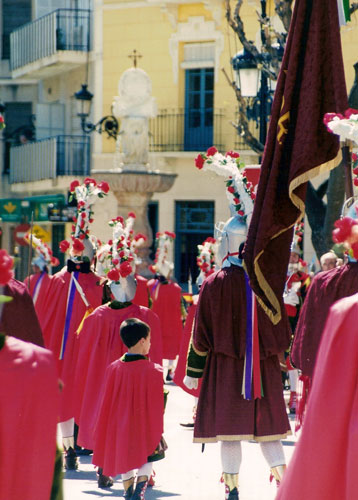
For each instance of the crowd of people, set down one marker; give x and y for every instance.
(83, 350)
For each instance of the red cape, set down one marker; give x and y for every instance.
(180, 370)
(326, 288)
(19, 317)
(167, 304)
(29, 409)
(54, 326)
(41, 293)
(325, 462)
(142, 295)
(99, 345)
(130, 420)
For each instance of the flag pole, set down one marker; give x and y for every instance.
(30, 250)
(347, 165)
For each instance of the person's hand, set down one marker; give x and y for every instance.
(190, 382)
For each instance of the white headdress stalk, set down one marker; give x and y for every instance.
(162, 264)
(206, 259)
(43, 251)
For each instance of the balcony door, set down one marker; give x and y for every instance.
(199, 109)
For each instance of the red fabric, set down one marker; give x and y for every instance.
(54, 325)
(220, 330)
(41, 293)
(167, 305)
(326, 288)
(29, 396)
(19, 317)
(325, 462)
(130, 420)
(99, 345)
(142, 295)
(180, 370)
(297, 142)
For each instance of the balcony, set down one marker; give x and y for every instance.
(189, 130)
(50, 158)
(52, 44)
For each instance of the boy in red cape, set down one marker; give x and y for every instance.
(129, 427)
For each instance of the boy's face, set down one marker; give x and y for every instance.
(146, 344)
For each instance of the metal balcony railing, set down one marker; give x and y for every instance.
(63, 29)
(49, 158)
(192, 130)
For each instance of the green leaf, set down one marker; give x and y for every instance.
(5, 298)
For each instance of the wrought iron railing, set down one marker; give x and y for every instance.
(62, 29)
(49, 158)
(179, 130)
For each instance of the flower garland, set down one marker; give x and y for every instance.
(206, 256)
(42, 249)
(240, 191)
(85, 195)
(346, 126)
(162, 242)
(120, 254)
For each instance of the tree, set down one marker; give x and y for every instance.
(321, 214)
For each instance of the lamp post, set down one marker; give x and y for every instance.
(108, 124)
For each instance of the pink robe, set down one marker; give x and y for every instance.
(166, 303)
(99, 345)
(54, 327)
(130, 419)
(325, 462)
(180, 370)
(39, 285)
(19, 317)
(29, 396)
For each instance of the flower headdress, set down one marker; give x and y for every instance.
(42, 250)
(346, 126)
(162, 264)
(206, 257)
(239, 190)
(85, 195)
(346, 233)
(120, 255)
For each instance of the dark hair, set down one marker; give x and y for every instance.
(132, 330)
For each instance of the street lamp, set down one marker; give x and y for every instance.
(247, 73)
(108, 124)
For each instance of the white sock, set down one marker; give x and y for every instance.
(230, 456)
(293, 376)
(145, 470)
(273, 453)
(127, 475)
(67, 431)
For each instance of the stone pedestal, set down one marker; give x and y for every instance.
(133, 190)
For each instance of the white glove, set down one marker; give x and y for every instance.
(190, 382)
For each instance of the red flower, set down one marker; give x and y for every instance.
(211, 151)
(350, 111)
(152, 269)
(64, 246)
(140, 236)
(6, 265)
(88, 181)
(231, 189)
(328, 117)
(125, 269)
(82, 236)
(115, 261)
(113, 275)
(241, 212)
(132, 215)
(199, 161)
(55, 262)
(104, 186)
(355, 181)
(73, 185)
(121, 254)
(77, 246)
(233, 154)
(83, 215)
(354, 157)
(120, 219)
(344, 229)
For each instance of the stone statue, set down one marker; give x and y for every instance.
(133, 107)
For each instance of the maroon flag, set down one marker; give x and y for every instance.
(298, 147)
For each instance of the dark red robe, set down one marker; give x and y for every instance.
(220, 328)
(326, 288)
(183, 353)
(29, 395)
(19, 317)
(325, 462)
(142, 294)
(99, 345)
(166, 303)
(38, 293)
(130, 420)
(54, 326)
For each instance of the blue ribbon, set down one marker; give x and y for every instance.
(69, 308)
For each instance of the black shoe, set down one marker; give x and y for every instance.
(234, 494)
(104, 481)
(71, 459)
(83, 451)
(189, 424)
(169, 376)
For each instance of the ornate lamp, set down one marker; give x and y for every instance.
(247, 73)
